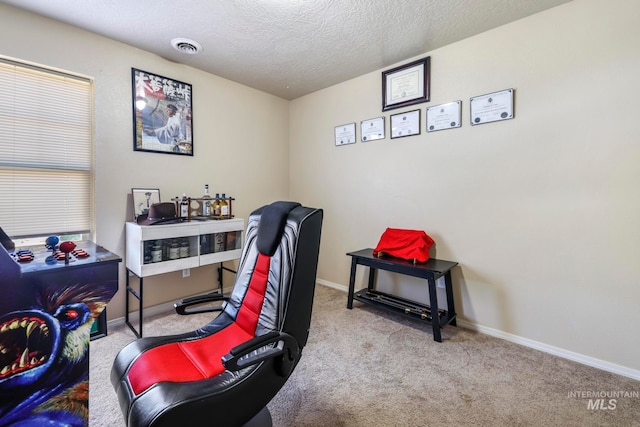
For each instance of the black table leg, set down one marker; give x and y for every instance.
(137, 295)
(352, 280)
(372, 275)
(126, 299)
(433, 303)
(140, 312)
(451, 309)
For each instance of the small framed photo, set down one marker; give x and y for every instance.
(143, 198)
(444, 116)
(345, 134)
(492, 107)
(406, 85)
(372, 129)
(162, 114)
(405, 124)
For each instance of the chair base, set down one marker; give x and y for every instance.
(261, 419)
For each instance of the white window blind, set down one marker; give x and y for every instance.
(46, 154)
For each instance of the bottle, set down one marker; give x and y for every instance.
(174, 249)
(205, 244)
(206, 202)
(156, 252)
(216, 205)
(184, 206)
(218, 245)
(224, 206)
(184, 248)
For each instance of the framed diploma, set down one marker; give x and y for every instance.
(405, 124)
(345, 134)
(372, 129)
(444, 116)
(406, 85)
(492, 107)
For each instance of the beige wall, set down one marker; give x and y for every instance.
(542, 212)
(240, 138)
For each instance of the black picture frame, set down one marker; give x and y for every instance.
(407, 84)
(162, 114)
(405, 124)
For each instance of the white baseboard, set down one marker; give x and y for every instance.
(329, 284)
(556, 351)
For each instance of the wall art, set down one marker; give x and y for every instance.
(162, 114)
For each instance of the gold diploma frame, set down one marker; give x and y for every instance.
(405, 85)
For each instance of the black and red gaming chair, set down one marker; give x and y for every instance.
(226, 372)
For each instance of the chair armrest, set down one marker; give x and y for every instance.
(182, 306)
(269, 346)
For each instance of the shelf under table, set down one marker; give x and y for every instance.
(400, 305)
(431, 270)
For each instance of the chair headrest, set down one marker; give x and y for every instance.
(272, 220)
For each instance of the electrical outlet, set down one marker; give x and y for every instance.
(186, 272)
(440, 282)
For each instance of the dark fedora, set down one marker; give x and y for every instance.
(164, 212)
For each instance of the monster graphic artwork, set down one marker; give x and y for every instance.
(44, 352)
(47, 310)
(48, 307)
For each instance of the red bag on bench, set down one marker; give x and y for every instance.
(411, 245)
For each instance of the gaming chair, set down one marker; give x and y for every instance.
(226, 372)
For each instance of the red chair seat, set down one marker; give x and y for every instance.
(202, 358)
(185, 361)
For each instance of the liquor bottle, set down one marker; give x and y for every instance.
(184, 248)
(216, 205)
(224, 206)
(184, 206)
(205, 244)
(218, 243)
(206, 201)
(156, 251)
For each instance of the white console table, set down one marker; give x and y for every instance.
(163, 248)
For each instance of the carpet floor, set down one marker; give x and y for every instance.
(367, 367)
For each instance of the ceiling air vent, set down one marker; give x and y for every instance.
(186, 46)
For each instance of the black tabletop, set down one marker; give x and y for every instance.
(435, 265)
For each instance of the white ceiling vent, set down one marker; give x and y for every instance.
(187, 46)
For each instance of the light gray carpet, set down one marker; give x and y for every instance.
(366, 367)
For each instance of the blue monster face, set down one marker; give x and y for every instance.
(28, 346)
(32, 341)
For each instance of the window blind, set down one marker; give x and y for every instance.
(46, 151)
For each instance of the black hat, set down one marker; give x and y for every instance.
(164, 212)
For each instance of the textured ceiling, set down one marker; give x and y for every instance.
(288, 48)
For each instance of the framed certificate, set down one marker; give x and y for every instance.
(143, 198)
(406, 85)
(405, 124)
(444, 116)
(345, 134)
(492, 107)
(372, 129)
